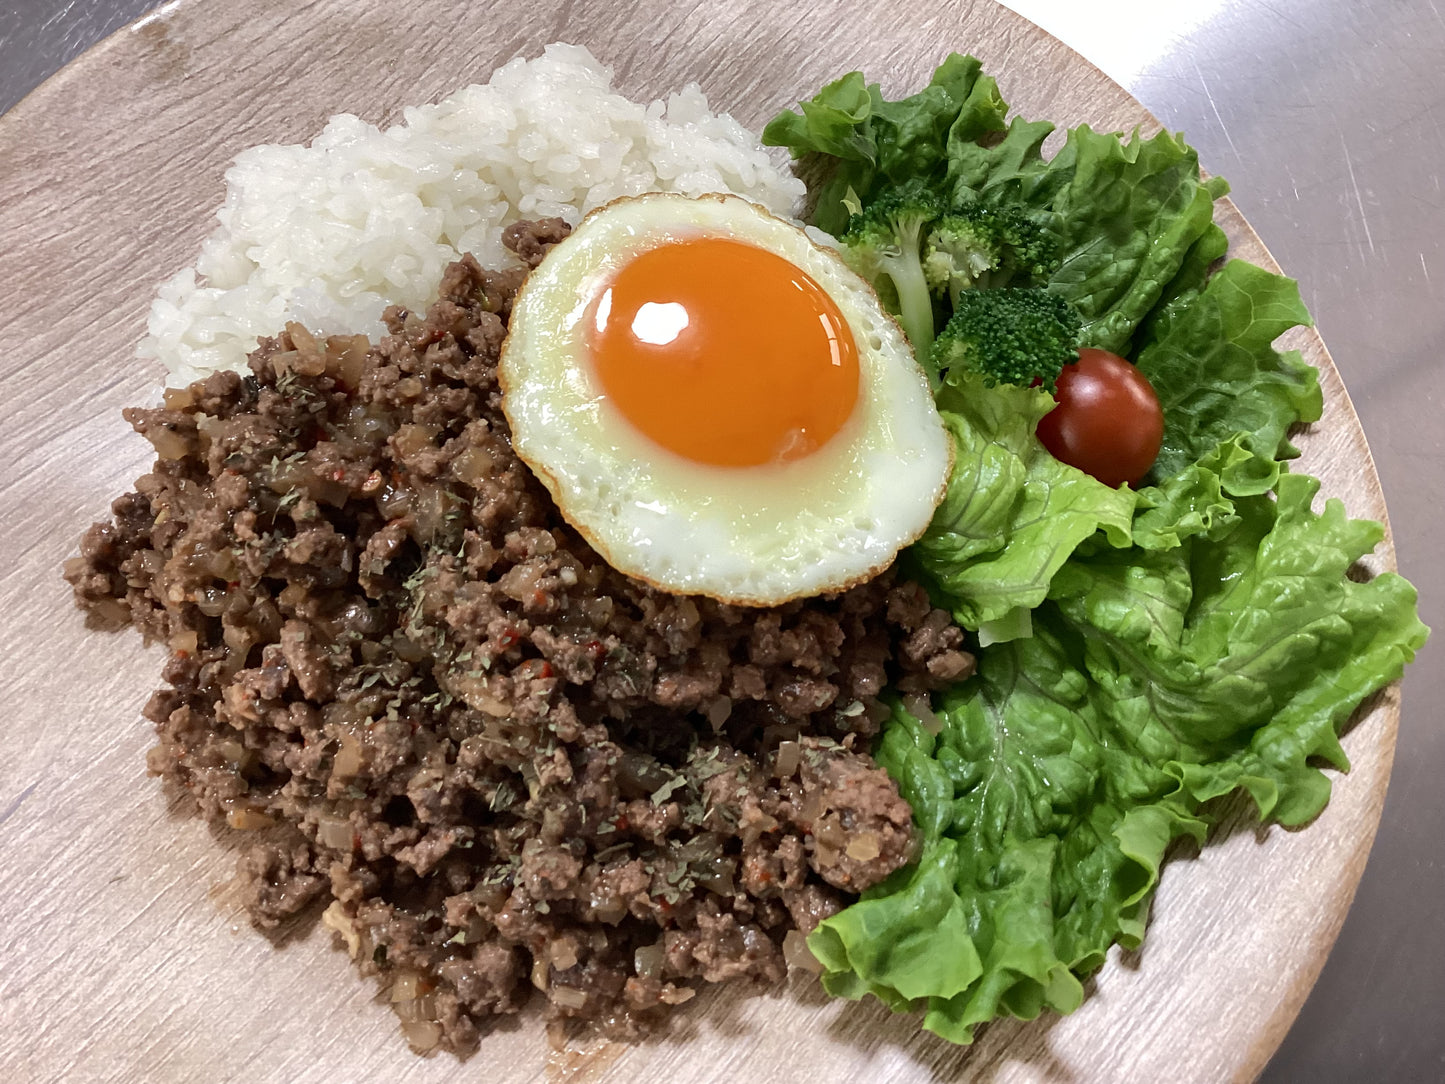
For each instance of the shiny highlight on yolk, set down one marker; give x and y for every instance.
(724, 353)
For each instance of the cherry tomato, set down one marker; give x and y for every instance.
(1108, 422)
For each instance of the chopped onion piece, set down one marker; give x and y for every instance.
(648, 960)
(336, 918)
(829, 830)
(717, 876)
(210, 601)
(167, 443)
(423, 1035)
(864, 847)
(568, 997)
(335, 832)
(348, 760)
(563, 953)
(797, 954)
(417, 1009)
(676, 995)
(474, 465)
(248, 820)
(408, 986)
(790, 755)
(719, 711)
(921, 708)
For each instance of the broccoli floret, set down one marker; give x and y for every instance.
(1028, 249)
(1017, 335)
(977, 246)
(961, 249)
(885, 240)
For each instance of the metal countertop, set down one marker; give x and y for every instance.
(1328, 118)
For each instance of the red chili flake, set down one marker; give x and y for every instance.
(339, 474)
(622, 823)
(534, 668)
(508, 636)
(539, 598)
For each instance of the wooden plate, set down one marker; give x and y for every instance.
(123, 957)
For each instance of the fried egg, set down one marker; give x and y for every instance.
(719, 405)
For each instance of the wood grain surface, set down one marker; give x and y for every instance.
(124, 957)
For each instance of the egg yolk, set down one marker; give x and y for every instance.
(724, 353)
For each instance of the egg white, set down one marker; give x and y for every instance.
(747, 535)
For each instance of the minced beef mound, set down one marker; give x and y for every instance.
(498, 764)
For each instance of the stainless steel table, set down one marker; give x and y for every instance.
(1328, 116)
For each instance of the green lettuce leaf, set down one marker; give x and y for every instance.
(959, 106)
(1133, 217)
(834, 122)
(874, 141)
(1155, 681)
(1144, 653)
(1199, 263)
(1243, 656)
(1131, 214)
(1213, 365)
(1199, 499)
(1013, 513)
(996, 173)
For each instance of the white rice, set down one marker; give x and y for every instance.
(331, 234)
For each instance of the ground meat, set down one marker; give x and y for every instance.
(278, 881)
(531, 240)
(501, 764)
